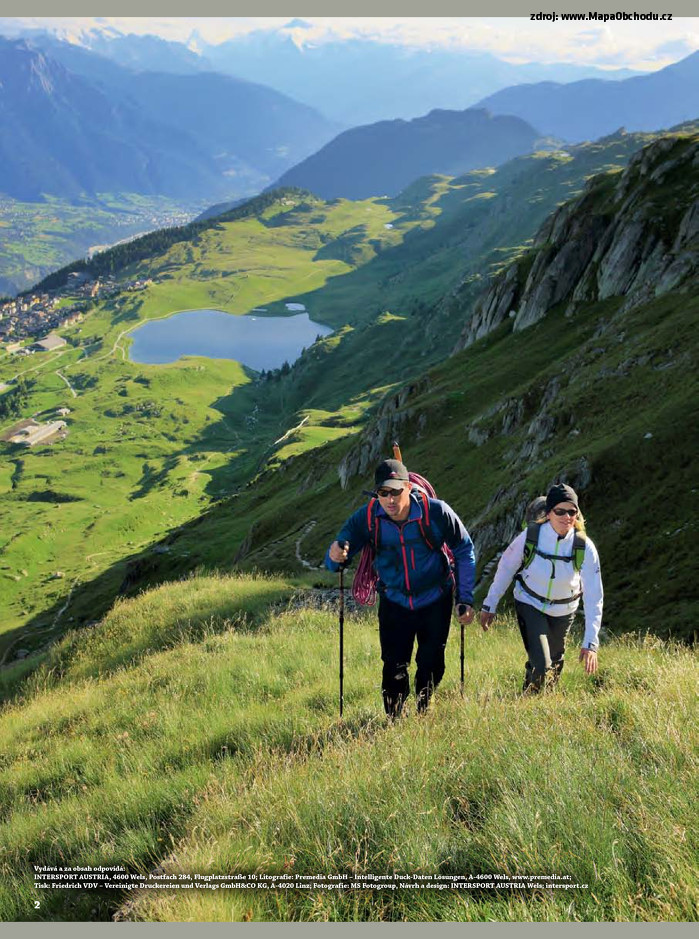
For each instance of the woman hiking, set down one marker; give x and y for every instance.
(416, 585)
(554, 564)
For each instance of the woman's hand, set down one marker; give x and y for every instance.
(589, 659)
(486, 619)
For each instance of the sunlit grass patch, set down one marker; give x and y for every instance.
(221, 751)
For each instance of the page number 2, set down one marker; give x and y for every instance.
(37, 904)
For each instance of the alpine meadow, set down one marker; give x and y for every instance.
(169, 640)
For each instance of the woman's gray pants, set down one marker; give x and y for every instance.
(544, 638)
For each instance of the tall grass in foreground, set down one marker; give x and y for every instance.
(219, 750)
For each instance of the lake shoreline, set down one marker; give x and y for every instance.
(258, 340)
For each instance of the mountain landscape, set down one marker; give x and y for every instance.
(625, 270)
(449, 257)
(384, 158)
(388, 80)
(143, 53)
(592, 382)
(147, 133)
(113, 134)
(105, 152)
(588, 109)
(513, 311)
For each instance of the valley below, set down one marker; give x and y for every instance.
(188, 416)
(164, 469)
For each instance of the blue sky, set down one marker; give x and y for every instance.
(634, 45)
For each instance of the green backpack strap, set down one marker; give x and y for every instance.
(530, 544)
(579, 542)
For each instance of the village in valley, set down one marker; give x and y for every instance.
(27, 326)
(33, 314)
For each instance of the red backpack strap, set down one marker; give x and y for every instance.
(425, 506)
(372, 523)
(424, 522)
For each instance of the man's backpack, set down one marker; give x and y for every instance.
(366, 578)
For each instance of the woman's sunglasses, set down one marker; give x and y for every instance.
(562, 512)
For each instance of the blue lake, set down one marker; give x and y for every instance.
(260, 342)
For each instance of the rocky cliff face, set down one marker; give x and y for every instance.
(633, 234)
(633, 238)
(375, 443)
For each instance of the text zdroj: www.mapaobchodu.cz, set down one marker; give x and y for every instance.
(601, 17)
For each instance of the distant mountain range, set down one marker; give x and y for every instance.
(85, 124)
(586, 110)
(360, 81)
(147, 53)
(137, 115)
(383, 158)
(63, 136)
(354, 81)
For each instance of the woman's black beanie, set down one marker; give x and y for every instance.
(560, 493)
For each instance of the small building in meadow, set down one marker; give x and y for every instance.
(32, 433)
(49, 343)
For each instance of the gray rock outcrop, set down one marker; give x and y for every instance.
(632, 235)
(376, 441)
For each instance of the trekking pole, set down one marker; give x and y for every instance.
(342, 634)
(342, 638)
(460, 610)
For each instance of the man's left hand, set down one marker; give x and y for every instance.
(589, 659)
(467, 616)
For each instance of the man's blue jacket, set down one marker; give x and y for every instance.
(411, 572)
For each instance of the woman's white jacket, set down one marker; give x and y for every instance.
(555, 580)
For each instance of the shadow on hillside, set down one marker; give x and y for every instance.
(253, 416)
(151, 478)
(126, 312)
(92, 599)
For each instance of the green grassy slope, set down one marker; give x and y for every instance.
(38, 237)
(145, 442)
(470, 228)
(602, 413)
(151, 448)
(195, 729)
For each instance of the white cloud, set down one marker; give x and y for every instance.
(643, 45)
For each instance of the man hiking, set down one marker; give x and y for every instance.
(417, 585)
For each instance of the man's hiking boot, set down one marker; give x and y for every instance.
(393, 706)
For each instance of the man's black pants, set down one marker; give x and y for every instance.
(398, 629)
(544, 638)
